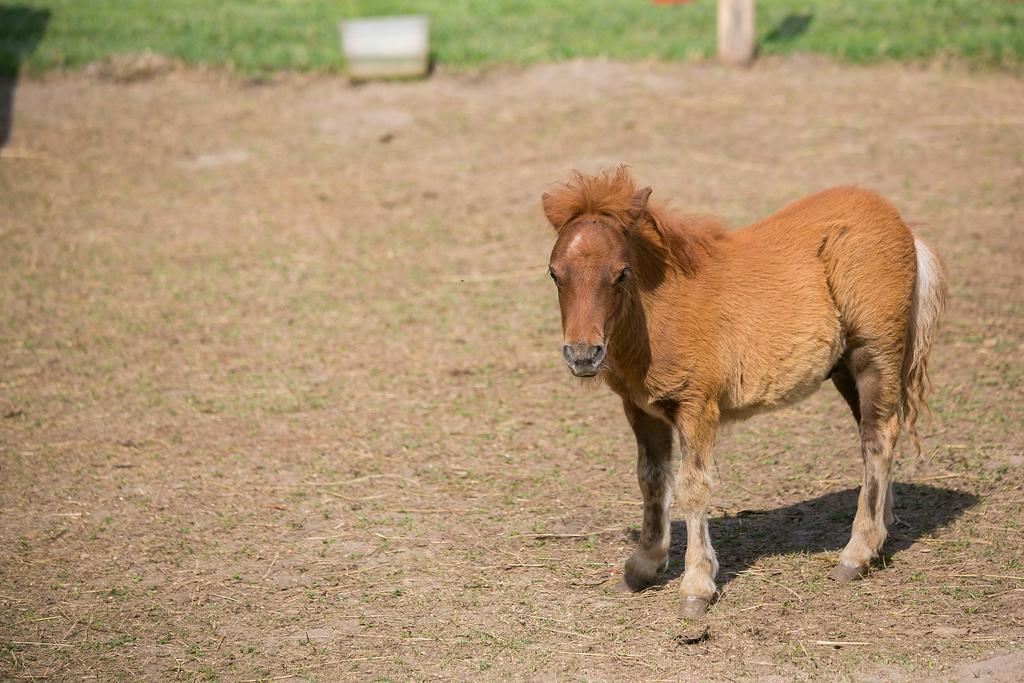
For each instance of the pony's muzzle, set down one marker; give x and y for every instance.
(584, 360)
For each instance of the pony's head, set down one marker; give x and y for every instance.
(591, 262)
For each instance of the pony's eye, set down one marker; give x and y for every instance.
(554, 277)
(621, 277)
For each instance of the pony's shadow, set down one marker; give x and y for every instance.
(817, 525)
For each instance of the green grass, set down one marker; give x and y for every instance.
(256, 36)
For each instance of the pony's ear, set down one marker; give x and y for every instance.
(558, 212)
(638, 202)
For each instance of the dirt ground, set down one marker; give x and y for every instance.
(280, 392)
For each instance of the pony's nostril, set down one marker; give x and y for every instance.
(567, 354)
(582, 354)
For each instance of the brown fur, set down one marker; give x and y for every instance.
(710, 326)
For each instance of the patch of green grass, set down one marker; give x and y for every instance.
(258, 36)
(120, 641)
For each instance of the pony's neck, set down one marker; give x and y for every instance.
(669, 253)
(668, 257)
(629, 341)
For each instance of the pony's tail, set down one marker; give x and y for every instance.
(928, 303)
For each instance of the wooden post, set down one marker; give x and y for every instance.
(737, 39)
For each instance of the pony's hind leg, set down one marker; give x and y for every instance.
(656, 476)
(878, 387)
(842, 378)
(890, 516)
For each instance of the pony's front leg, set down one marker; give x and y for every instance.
(656, 476)
(698, 438)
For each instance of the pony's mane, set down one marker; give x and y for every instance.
(608, 193)
(680, 240)
(689, 237)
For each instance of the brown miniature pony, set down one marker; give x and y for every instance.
(694, 326)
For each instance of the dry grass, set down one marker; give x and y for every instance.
(281, 395)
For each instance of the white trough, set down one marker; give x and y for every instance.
(386, 47)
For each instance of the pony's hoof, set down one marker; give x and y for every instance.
(845, 573)
(632, 583)
(640, 572)
(623, 587)
(693, 607)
